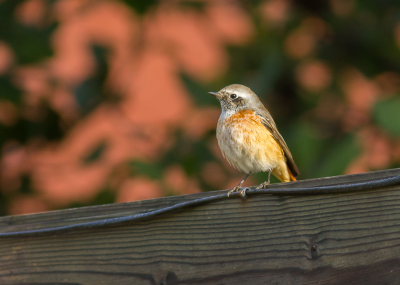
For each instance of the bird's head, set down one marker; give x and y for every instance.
(236, 97)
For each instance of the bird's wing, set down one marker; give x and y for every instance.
(269, 123)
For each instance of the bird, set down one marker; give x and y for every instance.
(249, 139)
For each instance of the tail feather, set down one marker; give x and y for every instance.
(291, 175)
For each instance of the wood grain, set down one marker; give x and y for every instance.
(323, 239)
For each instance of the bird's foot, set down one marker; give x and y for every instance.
(263, 185)
(234, 189)
(243, 192)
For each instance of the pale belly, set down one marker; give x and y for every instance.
(248, 146)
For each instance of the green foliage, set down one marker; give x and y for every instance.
(271, 66)
(9, 91)
(305, 144)
(91, 92)
(26, 185)
(362, 40)
(198, 5)
(191, 155)
(28, 43)
(152, 170)
(105, 196)
(141, 7)
(387, 115)
(96, 153)
(337, 156)
(198, 91)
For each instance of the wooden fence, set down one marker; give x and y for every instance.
(351, 238)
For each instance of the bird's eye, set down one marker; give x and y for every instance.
(233, 96)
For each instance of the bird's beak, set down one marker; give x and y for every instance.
(215, 94)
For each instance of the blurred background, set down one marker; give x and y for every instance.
(106, 101)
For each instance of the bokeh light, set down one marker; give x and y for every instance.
(106, 101)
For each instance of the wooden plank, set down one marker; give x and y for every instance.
(350, 238)
(79, 215)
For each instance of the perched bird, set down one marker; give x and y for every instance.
(249, 139)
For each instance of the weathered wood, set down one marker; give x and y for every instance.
(324, 239)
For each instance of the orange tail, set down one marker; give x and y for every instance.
(291, 175)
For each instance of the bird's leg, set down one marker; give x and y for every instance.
(265, 183)
(236, 188)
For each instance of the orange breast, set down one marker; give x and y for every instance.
(247, 144)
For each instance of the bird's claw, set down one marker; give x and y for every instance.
(234, 189)
(243, 192)
(262, 185)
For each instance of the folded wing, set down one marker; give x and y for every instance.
(269, 123)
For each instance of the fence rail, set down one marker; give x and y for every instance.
(351, 238)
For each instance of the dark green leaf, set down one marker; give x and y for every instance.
(141, 7)
(305, 146)
(8, 91)
(199, 93)
(96, 153)
(387, 115)
(338, 156)
(151, 170)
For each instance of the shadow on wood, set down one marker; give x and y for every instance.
(321, 239)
